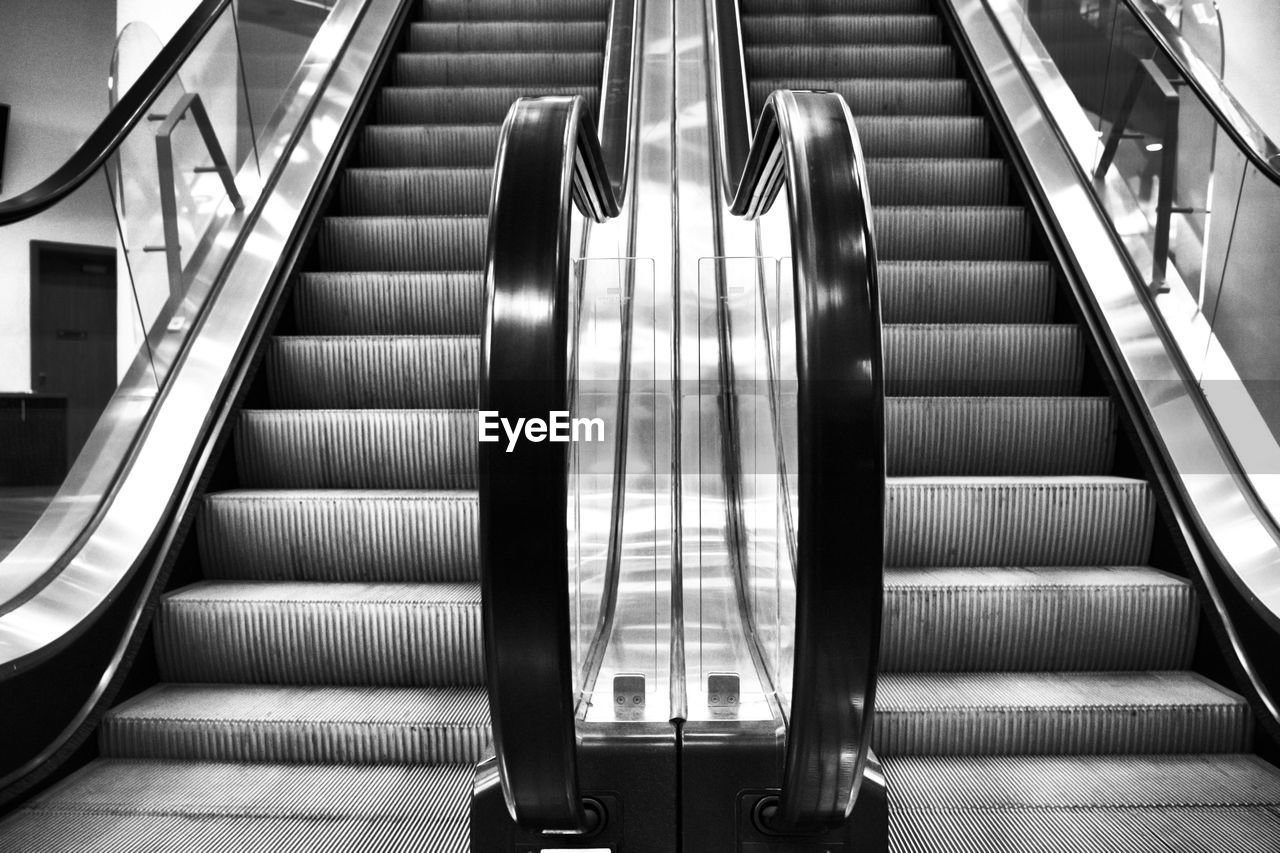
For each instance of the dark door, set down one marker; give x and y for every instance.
(73, 331)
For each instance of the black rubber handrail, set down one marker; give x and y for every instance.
(120, 121)
(548, 159)
(806, 140)
(1227, 112)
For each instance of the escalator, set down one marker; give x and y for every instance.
(321, 687)
(1037, 688)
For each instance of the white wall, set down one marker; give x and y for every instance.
(54, 59)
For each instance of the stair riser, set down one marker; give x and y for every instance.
(364, 192)
(818, 60)
(389, 304)
(966, 292)
(878, 97)
(513, 10)
(859, 28)
(950, 233)
(479, 105)
(394, 244)
(944, 182)
(975, 361)
(429, 147)
(481, 69)
(526, 36)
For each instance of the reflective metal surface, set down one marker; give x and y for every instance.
(158, 481)
(1204, 475)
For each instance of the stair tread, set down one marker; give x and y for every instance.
(915, 692)
(325, 593)
(294, 495)
(1051, 577)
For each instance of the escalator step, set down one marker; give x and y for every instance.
(429, 146)
(999, 435)
(982, 359)
(823, 7)
(841, 29)
(397, 243)
(581, 68)
(889, 97)
(1017, 521)
(912, 181)
(366, 371)
(357, 449)
(966, 291)
(1057, 713)
(865, 60)
(529, 36)
(325, 725)
(1080, 781)
(952, 233)
(1072, 618)
(398, 635)
(473, 104)
(340, 536)
(531, 10)
(923, 136)
(210, 807)
(389, 303)
(410, 192)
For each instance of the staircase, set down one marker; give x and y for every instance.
(323, 685)
(1037, 691)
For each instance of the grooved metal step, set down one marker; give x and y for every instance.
(888, 97)
(429, 145)
(999, 435)
(121, 804)
(982, 359)
(401, 635)
(473, 104)
(841, 29)
(329, 725)
(1069, 618)
(400, 243)
(560, 68)
(386, 303)
(914, 181)
(863, 60)
(368, 371)
(917, 233)
(477, 36)
(1057, 713)
(340, 535)
(513, 10)
(410, 192)
(357, 449)
(922, 136)
(966, 291)
(1017, 521)
(827, 7)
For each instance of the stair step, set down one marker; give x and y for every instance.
(826, 7)
(915, 181)
(859, 60)
(1018, 521)
(999, 435)
(340, 536)
(982, 359)
(373, 371)
(357, 449)
(398, 243)
(410, 191)
(887, 96)
(355, 303)
(923, 136)
(966, 291)
(580, 68)
(302, 725)
(841, 29)
(214, 807)
(472, 104)
(429, 146)
(513, 10)
(1067, 618)
(384, 634)
(1057, 713)
(478, 36)
(917, 233)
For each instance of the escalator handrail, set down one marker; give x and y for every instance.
(107, 137)
(549, 158)
(1227, 112)
(807, 141)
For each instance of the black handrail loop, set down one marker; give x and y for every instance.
(548, 158)
(806, 140)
